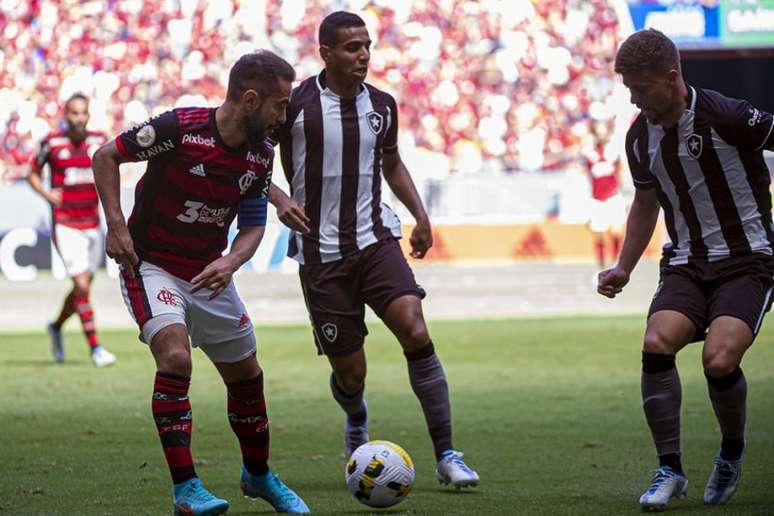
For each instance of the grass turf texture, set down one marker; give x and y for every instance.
(547, 410)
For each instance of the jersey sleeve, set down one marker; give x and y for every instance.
(641, 176)
(741, 124)
(42, 153)
(159, 136)
(253, 207)
(391, 137)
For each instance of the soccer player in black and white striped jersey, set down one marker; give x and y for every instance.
(340, 138)
(698, 155)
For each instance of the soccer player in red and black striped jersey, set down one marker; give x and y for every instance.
(340, 138)
(698, 155)
(75, 217)
(206, 166)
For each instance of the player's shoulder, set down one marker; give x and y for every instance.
(56, 138)
(191, 117)
(266, 147)
(376, 93)
(716, 106)
(638, 128)
(306, 90)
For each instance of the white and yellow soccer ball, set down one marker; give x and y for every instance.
(380, 474)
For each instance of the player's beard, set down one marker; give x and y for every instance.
(256, 130)
(76, 131)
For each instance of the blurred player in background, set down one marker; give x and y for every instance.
(608, 206)
(205, 166)
(75, 220)
(698, 156)
(341, 135)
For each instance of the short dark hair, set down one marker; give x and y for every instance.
(76, 96)
(261, 71)
(647, 49)
(328, 34)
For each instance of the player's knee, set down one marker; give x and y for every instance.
(175, 360)
(81, 289)
(719, 363)
(655, 341)
(415, 335)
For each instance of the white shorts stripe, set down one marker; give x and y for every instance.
(763, 310)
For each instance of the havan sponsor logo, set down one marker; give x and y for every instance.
(164, 146)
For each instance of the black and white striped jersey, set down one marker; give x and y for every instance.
(331, 150)
(710, 177)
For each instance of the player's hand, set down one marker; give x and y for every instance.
(612, 281)
(54, 197)
(292, 215)
(421, 239)
(216, 276)
(119, 247)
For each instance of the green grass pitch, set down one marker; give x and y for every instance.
(547, 410)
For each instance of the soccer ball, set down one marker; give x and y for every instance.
(379, 473)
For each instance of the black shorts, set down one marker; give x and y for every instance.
(336, 294)
(739, 286)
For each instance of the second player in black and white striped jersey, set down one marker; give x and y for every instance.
(340, 139)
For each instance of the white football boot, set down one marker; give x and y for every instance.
(667, 483)
(102, 357)
(723, 481)
(451, 469)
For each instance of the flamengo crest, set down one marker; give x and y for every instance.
(694, 144)
(375, 121)
(246, 181)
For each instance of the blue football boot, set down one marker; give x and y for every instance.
(191, 499)
(270, 488)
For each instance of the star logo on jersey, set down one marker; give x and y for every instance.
(146, 136)
(329, 331)
(694, 144)
(246, 181)
(375, 121)
(64, 154)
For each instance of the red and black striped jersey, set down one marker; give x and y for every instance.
(70, 164)
(191, 189)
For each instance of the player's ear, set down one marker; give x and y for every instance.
(251, 99)
(325, 53)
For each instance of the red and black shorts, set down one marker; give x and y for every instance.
(336, 294)
(740, 287)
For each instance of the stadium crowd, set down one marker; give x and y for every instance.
(495, 84)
